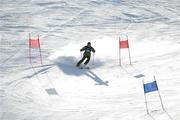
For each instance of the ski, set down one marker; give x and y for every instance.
(84, 67)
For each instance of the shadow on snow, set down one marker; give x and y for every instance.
(68, 65)
(43, 69)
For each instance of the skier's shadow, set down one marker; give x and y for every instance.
(98, 80)
(68, 65)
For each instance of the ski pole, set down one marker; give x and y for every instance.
(93, 58)
(81, 53)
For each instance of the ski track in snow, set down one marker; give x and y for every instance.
(59, 90)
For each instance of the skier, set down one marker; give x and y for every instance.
(87, 54)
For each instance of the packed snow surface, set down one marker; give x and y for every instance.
(58, 90)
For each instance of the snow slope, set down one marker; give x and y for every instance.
(59, 90)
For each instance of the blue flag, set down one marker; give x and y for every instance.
(150, 87)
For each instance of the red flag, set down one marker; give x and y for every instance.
(123, 44)
(34, 43)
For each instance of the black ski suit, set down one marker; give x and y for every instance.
(87, 54)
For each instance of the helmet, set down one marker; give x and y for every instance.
(89, 43)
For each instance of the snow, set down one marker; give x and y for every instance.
(107, 91)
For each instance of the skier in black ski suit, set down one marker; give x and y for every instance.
(87, 54)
